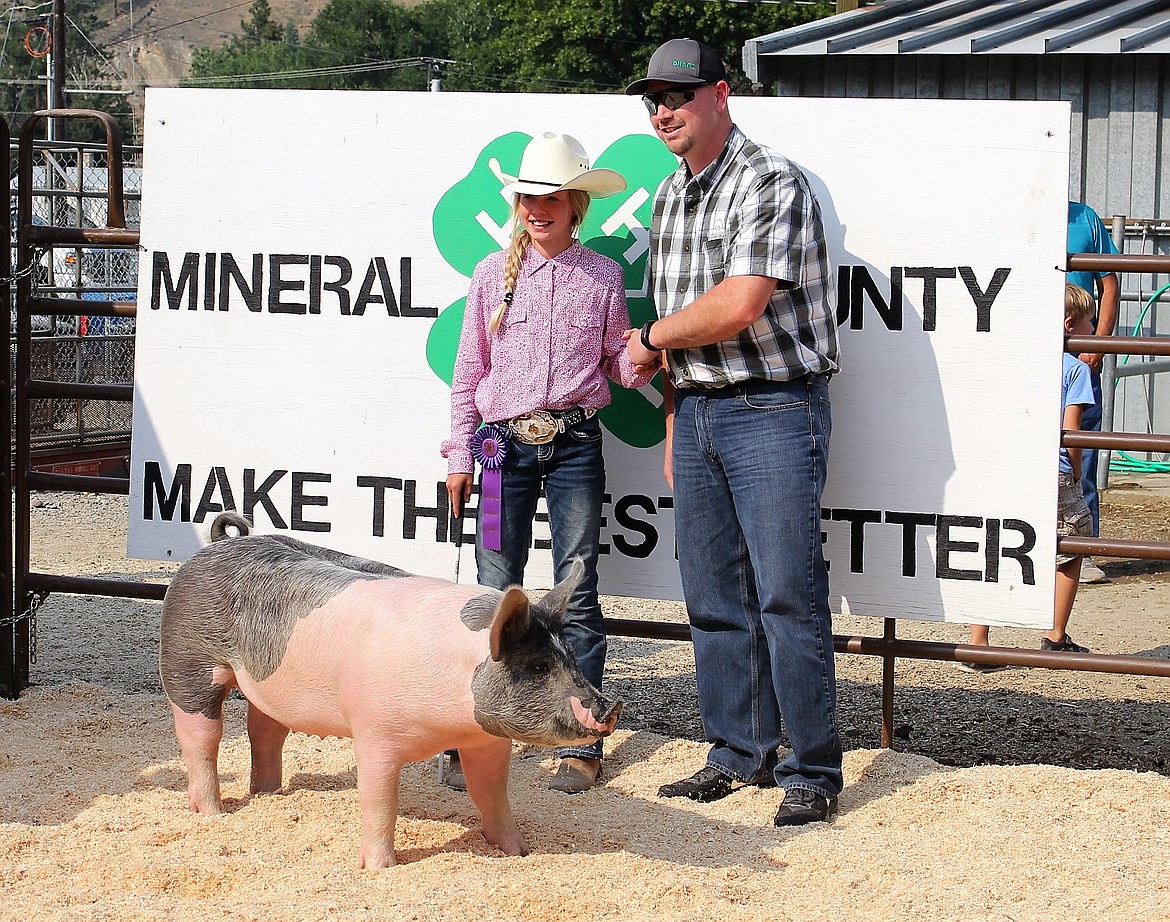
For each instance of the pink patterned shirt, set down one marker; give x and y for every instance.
(560, 339)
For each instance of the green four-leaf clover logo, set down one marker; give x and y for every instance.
(471, 220)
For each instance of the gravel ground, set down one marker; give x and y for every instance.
(1018, 716)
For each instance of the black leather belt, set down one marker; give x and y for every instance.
(755, 386)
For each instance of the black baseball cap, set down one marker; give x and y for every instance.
(681, 60)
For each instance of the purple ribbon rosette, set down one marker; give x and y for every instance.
(489, 446)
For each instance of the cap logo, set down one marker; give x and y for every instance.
(684, 64)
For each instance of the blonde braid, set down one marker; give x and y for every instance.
(512, 263)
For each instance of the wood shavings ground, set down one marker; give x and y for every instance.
(94, 825)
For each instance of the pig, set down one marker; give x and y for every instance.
(408, 666)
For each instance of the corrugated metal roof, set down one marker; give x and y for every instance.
(980, 27)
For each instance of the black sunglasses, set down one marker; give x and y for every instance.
(672, 99)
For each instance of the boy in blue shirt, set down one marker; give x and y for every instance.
(1073, 518)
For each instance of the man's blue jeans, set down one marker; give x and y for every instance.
(749, 467)
(572, 472)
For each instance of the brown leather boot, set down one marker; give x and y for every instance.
(575, 775)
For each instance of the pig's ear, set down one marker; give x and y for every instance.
(556, 600)
(510, 620)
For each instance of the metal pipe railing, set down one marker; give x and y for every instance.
(29, 586)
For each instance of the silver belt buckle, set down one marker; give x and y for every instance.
(537, 428)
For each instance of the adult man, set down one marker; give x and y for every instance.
(742, 286)
(1087, 234)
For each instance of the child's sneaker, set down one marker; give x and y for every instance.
(1091, 574)
(1068, 645)
(980, 667)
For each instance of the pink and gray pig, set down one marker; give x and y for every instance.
(408, 666)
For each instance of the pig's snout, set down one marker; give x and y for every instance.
(607, 712)
(600, 717)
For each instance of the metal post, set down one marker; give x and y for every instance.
(57, 97)
(25, 259)
(50, 92)
(9, 686)
(889, 633)
(55, 65)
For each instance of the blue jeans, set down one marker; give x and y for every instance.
(1091, 422)
(749, 468)
(572, 472)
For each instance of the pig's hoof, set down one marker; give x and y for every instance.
(574, 776)
(376, 860)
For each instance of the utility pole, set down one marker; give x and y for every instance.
(435, 68)
(56, 64)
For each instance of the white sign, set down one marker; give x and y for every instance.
(307, 255)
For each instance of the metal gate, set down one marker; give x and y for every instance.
(73, 368)
(68, 186)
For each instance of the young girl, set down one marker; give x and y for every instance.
(542, 331)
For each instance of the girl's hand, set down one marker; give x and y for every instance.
(458, 491)
(642, 359)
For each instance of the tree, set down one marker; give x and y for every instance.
(602, 45)
(357, 32)
(358, 41)
(511, 45)
(263, 48)
(260, 26)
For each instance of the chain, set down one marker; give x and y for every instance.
(23, 271)
(37, 599)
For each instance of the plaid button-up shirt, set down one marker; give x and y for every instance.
(750, 212)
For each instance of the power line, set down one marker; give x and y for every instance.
(182, 22)
(338, 70)
(28, 9)
(100, 53)
(527, 81)
(227, 34)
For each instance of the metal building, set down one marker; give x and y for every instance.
(1109, 58)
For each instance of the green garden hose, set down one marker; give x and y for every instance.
(1120, 461)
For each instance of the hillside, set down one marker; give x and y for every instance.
(151, 41)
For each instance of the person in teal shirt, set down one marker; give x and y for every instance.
(1087, 233)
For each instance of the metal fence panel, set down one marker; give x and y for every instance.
(69, 190)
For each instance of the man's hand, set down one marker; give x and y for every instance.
(1108, 306)
(1093, 359)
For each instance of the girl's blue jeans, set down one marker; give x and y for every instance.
(571, 471)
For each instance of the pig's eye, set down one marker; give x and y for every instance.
(541, 668)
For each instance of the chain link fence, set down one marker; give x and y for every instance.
(69, 190)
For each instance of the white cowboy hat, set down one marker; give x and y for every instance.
(554, 162)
